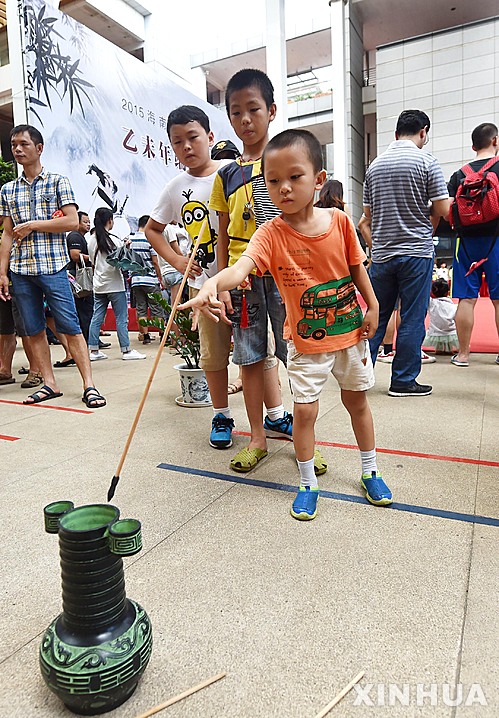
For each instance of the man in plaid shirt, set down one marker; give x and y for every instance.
(38, 208)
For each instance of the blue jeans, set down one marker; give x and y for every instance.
(409, 278)
(30, 290)
(120, 308)
(85, 309)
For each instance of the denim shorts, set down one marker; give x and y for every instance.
(30, 291)
(171, 279)
(263, 301)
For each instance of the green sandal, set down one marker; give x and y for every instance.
(320, 464)
(247, 459)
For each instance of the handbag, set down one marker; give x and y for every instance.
(83, 281)
(127, 259)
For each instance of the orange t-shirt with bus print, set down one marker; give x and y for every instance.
(313, 277)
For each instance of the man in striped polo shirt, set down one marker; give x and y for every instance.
(403, 186)
(145, 285)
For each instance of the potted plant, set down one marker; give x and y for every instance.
(185, 341)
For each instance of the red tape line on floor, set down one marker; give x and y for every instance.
(43, 405)
(396, 452)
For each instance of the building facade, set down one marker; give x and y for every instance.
(350, 67)
(354, 65)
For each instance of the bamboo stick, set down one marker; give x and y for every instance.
(340, 695)
(181, 696)
(116, 477)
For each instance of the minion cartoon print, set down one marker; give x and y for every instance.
(193, 215)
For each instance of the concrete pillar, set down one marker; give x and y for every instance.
(15, 35)
(277, 63)
(348, 120)
(172, 54)
(339, 91)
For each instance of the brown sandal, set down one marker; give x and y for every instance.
(33, 379)
(235, 386)
(6, 379)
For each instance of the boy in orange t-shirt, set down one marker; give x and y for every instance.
(317, 263)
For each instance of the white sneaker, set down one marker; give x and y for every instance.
(386, 358)
(427, 359)
(97, 356)
(133, 354)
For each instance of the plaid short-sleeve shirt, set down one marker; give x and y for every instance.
(39, 252)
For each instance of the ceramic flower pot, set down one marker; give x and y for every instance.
(93, 655)
(195, 391)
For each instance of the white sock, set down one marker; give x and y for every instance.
(368, 459)
(277, 412)
(225, 411)
(307, 473)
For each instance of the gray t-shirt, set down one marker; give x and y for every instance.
(399, 185)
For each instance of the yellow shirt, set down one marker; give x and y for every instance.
(232, 190)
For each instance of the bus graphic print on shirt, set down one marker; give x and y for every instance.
(330, 308)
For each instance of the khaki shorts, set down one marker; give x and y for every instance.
(309, 372)
(270, 360)
(215, 338)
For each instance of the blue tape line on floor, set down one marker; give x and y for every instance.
(424, 510)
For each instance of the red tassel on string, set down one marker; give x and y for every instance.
(244, 313)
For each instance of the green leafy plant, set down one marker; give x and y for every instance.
(186, 342)
(48, 69)
(7, 172)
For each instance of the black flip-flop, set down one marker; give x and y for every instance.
(64, 363)
(43, 394)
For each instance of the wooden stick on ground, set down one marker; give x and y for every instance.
(340, 695)
(116, 477)
(181, 696)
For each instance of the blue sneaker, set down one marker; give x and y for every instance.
(305, 505)
(221, 432)
(377, 492)
(279, 427)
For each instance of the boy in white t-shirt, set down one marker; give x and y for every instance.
(185, 200)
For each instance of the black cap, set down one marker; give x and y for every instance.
(224, 149)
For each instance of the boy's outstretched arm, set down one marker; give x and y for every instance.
(207, 300)
(223, 255)
(363, 283)
(154, 234)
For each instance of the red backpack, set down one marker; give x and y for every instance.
(477, 197)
